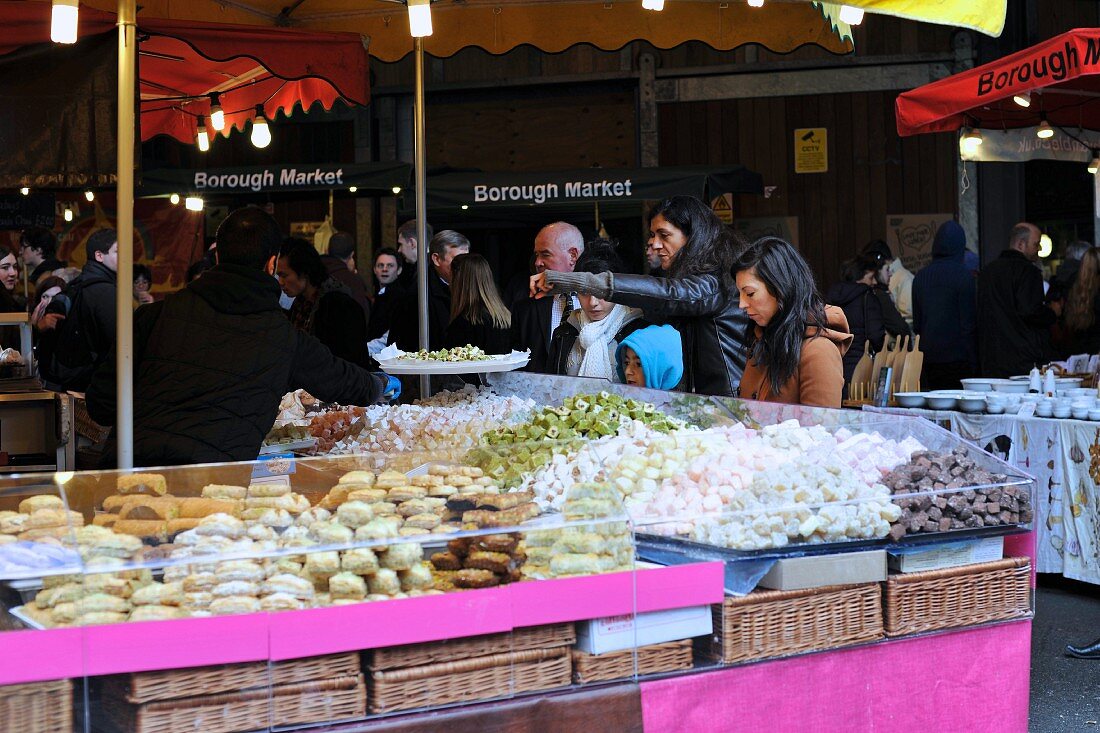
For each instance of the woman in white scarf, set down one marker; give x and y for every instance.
(584, 344)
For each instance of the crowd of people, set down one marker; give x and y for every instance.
(713, 314)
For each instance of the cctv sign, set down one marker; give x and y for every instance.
(811, 150)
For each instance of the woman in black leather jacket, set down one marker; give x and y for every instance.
(697, 297)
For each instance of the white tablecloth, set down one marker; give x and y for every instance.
(1064, 457)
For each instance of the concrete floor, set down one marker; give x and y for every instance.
(1065, 692)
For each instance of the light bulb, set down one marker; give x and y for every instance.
(1044, 131)
(653, 4)
(353, 189)
(261, 131)
(420, 18)
(1095, 164)
(756, 3)
(25, 191)
(971, 141)
(851, 15)
(1046, 246)
(63, 21)
(1023, 99)
(201, 138)
(174, 199)
(465, 206)
(90, 195)
(68, 214)
(193, 203)
(396, 190)
(217, 116)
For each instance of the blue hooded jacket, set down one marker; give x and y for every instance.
(945, 301)
(661, 352)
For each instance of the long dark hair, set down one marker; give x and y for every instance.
(711, 248)
(791, 282)
(854, 269)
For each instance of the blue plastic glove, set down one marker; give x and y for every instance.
(393, 388)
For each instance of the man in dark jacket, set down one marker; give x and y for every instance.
(558, 246)
(1015, 333)
(944, 312)
(390, 295)
(407, 248)
(79, 328)
(405, 332)
(340, 264)
(212, 361)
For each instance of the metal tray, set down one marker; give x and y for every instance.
(674, 550)
(30, 623)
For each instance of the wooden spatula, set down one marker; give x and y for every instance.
(862, 372)
(898, 362)
(914, 364)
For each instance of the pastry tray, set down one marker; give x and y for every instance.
(30, 623)
(294, 445)
(662, 549)
(401, 367)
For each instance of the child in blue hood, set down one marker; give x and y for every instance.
(651, 357)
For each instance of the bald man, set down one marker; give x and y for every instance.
(558, 246)
(1013, 322)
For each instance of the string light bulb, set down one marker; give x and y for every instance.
(1023, 99)
(174, 199)
(851, 15)
(756, 3)
(25, 191)
(64, 20)
(1095, 164)
(68, 214)
(420, 18)
(1046, 246)
(396, 190)
(89, 195)
(217, 115)
(201, 138)
(353, 189)
(193, 203)
(1044, 131)
(261, 131)
(653, 4)
(465, 206)
(971, 141)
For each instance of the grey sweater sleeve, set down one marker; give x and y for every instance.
(600, 284)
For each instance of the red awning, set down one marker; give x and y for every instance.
(182, 62)
(1062, 74)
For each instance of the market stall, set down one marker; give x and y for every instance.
(1062, 454)
(374, 582)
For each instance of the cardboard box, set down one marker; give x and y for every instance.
(954, 554)
(816, 571)
(616, 633)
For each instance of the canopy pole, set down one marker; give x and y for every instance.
(1096, 208)
(127, 65)
(420, 158)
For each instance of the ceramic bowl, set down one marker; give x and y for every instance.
(1061, 411)
(971, 402)
(1009, 385)
(996, 408)
(1080, 413)
(940, 401)
(909, 399)
(975, 384)
(1044, 409)
(1094, 414)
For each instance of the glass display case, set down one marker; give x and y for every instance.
(299, 590)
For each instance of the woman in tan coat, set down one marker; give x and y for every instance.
(797, 357)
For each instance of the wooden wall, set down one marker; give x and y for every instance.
(872, 172)
(546, 129)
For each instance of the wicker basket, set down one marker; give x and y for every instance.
(479, 678)
(169, 684)
(37, 707)
(86, 426)
(770, 623)
(960, 596)
(417, 655)
(296, 704)
(653, 659)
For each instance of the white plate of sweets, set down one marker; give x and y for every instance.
(460, 360)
